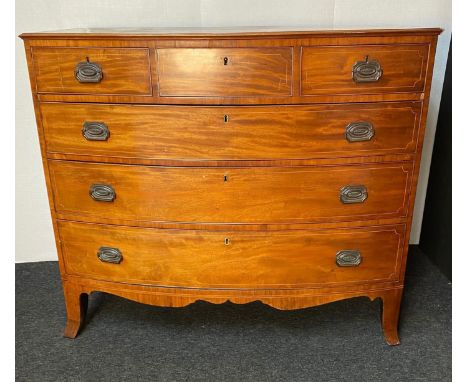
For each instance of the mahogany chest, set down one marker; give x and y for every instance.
(217, 165)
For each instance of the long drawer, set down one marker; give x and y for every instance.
(231, 133)
(239, 195)
(208, 259)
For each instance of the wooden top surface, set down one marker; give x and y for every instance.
(240, 32)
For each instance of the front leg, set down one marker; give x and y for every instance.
(76, 302)
(391, 300)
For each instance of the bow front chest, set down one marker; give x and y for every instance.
(216, 165)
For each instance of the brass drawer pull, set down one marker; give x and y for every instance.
(348, 258)
(110, 255)
(353, 194)
(102, 192)
(367, 71)
(87, 72)
(359, 131)
(95, 131)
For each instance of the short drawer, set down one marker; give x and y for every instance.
(363, 69)
(227, 72)
(231, 133)
(92, 70)
(240, 259)
(223, 195)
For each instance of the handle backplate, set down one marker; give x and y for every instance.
(359, 131)
(110, 255)
(102, 192)
(87, 72)
(367, 71)
(353, 194)
(95, 131)
(348, 258)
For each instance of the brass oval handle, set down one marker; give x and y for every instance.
(367, 71)
(86, 72)
(95, 131)
(102, 192)
(110, 255)
(359, 131)
(353, 194)
(348, 258)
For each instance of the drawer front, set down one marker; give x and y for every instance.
(231, 133)
(232, 72)
(239, 195)
(241, 259)
(92, 70)
(344, 69)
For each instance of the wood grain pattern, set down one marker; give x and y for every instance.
(229, 72)
(207, 259)
(254, 151)
(231, 133)
(328, 70)
(249, 195)
(125, 71)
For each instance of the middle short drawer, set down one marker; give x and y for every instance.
(231, 133)
(230, 195)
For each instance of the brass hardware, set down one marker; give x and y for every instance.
(227, 241)
(367, 71)
(95, 131)
(353, 194)
(359, 131)
(110, 255)
(102, 192)
(87, 71)
(348, 258)
(226, 118)
(225, 60)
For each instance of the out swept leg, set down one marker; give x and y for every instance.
(76, 303)
(390, 313)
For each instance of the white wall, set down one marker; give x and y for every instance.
(34, 235)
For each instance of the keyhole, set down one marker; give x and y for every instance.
(225, 60)
(226, 118)
(225, 178)
(227, 241)
(367, 58)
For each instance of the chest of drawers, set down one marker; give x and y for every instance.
(216, 165)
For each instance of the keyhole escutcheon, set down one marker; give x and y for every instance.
(225, 60)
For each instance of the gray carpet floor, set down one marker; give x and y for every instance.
(127, 341)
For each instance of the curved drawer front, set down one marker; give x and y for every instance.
(232, 133)
(104, 71)
(227, 72)
(207, 259)
(223, 195)
(363, 69)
